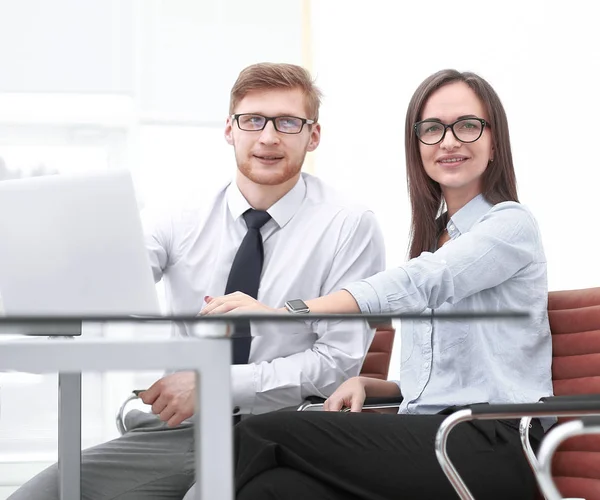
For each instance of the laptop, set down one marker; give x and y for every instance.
(74, 245)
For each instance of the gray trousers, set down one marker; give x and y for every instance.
(151, 461)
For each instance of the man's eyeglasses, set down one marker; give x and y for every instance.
(467, 130)
(284, 124)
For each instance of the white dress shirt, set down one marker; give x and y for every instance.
(315, 243)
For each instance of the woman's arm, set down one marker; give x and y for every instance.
(505, 241)
(341, 302)
(352, 393)
(376, 388)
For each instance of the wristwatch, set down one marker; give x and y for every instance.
(297, 306)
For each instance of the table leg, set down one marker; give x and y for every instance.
(213, 433)
(69, 435)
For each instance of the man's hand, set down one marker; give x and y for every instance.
(172, 397)
(237, 302)
(351, 394)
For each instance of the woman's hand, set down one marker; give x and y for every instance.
(237, 302)
(351, 394)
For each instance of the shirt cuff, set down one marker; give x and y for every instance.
(243, 388)
(366, 297)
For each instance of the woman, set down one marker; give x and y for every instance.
(483, 253)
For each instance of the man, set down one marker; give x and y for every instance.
(310, 242)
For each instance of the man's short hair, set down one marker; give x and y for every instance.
(268, 76)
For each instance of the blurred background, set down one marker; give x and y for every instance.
(144, 85)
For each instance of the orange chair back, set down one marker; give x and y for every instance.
(377, 362)
(575, 323)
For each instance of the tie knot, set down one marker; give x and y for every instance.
(255, 219)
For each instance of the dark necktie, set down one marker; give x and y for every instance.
(245, 277)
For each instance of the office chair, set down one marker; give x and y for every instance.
(568, 464)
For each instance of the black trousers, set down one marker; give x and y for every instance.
(368, 456)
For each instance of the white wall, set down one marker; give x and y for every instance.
(66, 46)
(541, 57)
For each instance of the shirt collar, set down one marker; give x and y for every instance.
(468, 215)
(281, 212)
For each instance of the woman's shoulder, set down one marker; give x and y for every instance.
(510, 212)
(510, 221)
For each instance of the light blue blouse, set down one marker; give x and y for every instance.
(494, 261)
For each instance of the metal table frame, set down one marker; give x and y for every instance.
(209, 357)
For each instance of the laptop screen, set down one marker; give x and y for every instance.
(73, 245)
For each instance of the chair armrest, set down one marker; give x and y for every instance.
(572, 397)
(315, 402)
(525, 426)
(558, 406)
(551, 442)
(120, 416)
(381, 403)
(591, 421)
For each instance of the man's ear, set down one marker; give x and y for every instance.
(228, 133)
(315, 137)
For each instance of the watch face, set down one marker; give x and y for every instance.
(297, 304)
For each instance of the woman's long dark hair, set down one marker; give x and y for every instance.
(498, 181)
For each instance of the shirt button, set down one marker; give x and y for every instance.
(451, 227)
(426, 365)
(236, 410)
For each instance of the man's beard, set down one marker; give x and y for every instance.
(273, 178)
